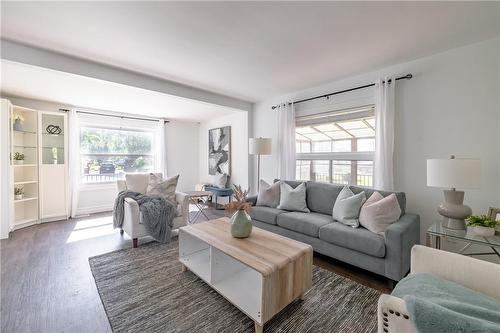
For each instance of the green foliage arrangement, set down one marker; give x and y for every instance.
(18, 156)
(482, 221)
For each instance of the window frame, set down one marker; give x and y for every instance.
(108, 126)
(353, 156)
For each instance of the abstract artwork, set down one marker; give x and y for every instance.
(219, 150)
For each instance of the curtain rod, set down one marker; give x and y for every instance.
(116, 116)
(407, 76)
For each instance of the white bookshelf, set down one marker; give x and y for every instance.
(43, 172)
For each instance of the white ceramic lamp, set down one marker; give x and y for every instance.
(259, 146)
(454, 173)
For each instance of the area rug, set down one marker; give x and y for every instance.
(144, 290)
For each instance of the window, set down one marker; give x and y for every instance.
(337, 148)
(106, 154)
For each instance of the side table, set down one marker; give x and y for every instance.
(437, 231)
(200, 200)
(219, 192)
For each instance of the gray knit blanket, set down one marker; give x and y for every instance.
(158, 214)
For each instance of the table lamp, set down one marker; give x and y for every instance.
(259, 146)
(451, 174)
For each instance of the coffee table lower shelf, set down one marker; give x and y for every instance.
(246, 288)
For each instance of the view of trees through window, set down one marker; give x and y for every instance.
(107, 154)
(337, 152)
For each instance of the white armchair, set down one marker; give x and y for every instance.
(475, 274)
(132, 217)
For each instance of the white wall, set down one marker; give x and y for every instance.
(181, 153)
(239, 147)
(4, 170)
(451, 106)
(182, 149)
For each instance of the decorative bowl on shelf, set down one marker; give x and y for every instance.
(18, 196)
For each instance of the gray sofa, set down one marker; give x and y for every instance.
(387, 255)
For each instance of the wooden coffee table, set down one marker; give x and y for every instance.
(260, 274)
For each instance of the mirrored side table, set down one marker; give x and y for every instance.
(437, 231)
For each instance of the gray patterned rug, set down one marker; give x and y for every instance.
(144, 290)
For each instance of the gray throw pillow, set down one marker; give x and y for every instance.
(163, 187)
(293, 198)
(269, 195)
(347, 206)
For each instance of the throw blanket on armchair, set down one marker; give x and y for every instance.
(157, 214)
(438, 305)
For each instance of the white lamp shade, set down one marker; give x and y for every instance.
(459, 173)
(259, 146)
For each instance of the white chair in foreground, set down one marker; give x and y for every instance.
(132, 217)
(475, 274)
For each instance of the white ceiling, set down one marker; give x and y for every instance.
(49, 85)
(250, 50)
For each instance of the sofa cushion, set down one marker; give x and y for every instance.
(305, 223)
(369, 191)
(347, 206)
(265, 214)
(378, 212)
(322, 196)
(358, 239)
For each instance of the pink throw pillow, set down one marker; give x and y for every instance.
(378, 212)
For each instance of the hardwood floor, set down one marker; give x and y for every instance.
(47, 285)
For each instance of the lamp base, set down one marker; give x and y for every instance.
(453, 210)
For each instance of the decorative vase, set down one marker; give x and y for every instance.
(483, 231)
(18, 162)
(18, 196)
(241, 224)
(18, 125)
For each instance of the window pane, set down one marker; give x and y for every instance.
(321, 171)
(321, 146)
(107, 154)
(341, 172)
(342, 146)
(302, 170)
(366, 144)
(365, 173)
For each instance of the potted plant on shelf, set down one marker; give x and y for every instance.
(18, 158)
(241, 223)
(18, 122)
(18, 193)
(482, 225)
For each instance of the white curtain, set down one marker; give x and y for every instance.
(74, 160)
(161, 165)
(384, 134)
(286, 141)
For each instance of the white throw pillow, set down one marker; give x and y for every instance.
(163, 187)
(137, 182)
(219, 180)
(347, 206)
(378, 212)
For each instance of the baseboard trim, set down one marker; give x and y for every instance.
(94, 209)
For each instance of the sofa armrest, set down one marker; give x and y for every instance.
(131, 206)
(183, 200)
(252, 199)
(399, 239)
(478, 275)
(393, 316)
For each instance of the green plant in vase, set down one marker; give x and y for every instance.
(18, 193)
(241, 223)
(18, 158)
(482, 225)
